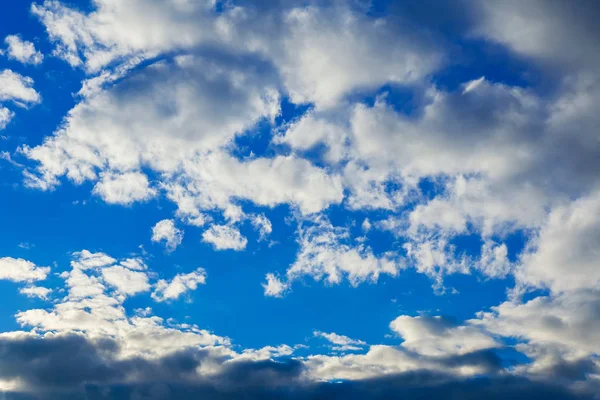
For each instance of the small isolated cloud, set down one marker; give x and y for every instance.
(19, 270)
(125, 188)
(17, 88)
(340, 342)
(5, 116)
(182, 283)
(274, 286)
(22, 50)
(165, 231)
(262, 225)
(36, 291)
(224, 237)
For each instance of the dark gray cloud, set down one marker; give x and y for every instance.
(72, 367)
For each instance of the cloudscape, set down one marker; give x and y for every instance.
(299, 199)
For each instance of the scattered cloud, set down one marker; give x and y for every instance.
(165, 231)
(20, 270)
(22, 50)
(180, 284)
(224, 237)
(36, 291)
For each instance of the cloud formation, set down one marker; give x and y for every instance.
(368, 140)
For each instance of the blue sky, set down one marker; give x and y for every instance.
(197, 193)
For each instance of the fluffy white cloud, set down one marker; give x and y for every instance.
(217, 179)
(5, 116)
(180, 284)
(326, 253)
(36, 291)
(125, 280)
(224, 237)
(136, 264)
(92, 309)
(565, 325)
(434, 336)
(340, 342)
(263, 225)
(19, 270)
(329, 52)
(565, 254)
(17, 88)
(166, 231)
(85, 259)
(124, 188)
(22, 50)
(274, 287)
(189, 105)
(116, 30)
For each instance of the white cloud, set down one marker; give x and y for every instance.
(22, 50)
(17, 88)
(265, 353)
(434, 336)
(85, 259)
(166, 231)
(326, 253)
(5, 116)
(116, 30)
(329, 52)
(564, 256)
(92, 309)
(217, 179)
(342, 342)
(274, 286)
(136, 264)
(224, 237)
(179, 285)
(19, 270)
(263, 225)
(126, 281)
(36, 291)
(124, 188)
(366, 225)
(566, 324)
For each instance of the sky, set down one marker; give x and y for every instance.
(302, 199)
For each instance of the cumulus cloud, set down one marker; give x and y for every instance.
(326, 254)
(165, 231)
(340, 342)
(85, 259)
(20, 270)
(274, 286)
(224, 237)
(5, 116)
(435, 336)
(126, 281)
(551, 39)
(124, 188)
(17, 88)
(564, 255)
(503, 159)
(22, 50)
(263, 225)
(180, 284)
(36, 291)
